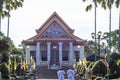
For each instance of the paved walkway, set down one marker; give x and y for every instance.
(49, 79)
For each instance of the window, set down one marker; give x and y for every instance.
(77, 55)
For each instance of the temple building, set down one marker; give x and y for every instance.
(54, 44)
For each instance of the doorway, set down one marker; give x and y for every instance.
(54, 57)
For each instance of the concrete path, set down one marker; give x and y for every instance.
(49, 79)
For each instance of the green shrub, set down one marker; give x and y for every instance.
(99, 66)
(5, 57)
(80, 70)
(18, 61)
(103, 79)
(93, 77)
(112, 62)
(0, 57)
(118, 62)
(88, 63)
(18, 58)
(112, 76)
(5, 71)
(91, 65)
(19, 71)
(118, 67)
(99, 78)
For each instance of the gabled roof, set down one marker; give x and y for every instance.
(54, 18)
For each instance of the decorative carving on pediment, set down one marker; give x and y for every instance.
(54, 31)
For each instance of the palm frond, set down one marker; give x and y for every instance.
(117, 3)
(99, 1)
(84, 0)
(89, 7)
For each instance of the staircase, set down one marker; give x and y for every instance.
(44, 73)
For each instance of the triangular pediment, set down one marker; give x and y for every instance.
(54, 31)
(54, 27)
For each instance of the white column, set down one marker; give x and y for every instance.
(81, 52)
(48, 53)
(70, 53)
(27, 51)
(38, 54)
(60, 53)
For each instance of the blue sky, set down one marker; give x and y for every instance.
(34, 13)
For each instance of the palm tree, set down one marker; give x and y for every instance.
(89, 48)
(114, 40)
(1, 2)
(6, 44)
(104, 4)
(6, 6)
(0, 23)
(110, 7)
(109, 3)
(87, 9)
(119, 29)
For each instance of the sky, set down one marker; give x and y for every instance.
(24, 21)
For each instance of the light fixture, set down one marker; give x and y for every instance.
(99, 34)
(93, 35)
(54, 47)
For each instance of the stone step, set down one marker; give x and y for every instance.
(55, 67)
(44, 73)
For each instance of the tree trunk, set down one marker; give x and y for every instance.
(110, 27)
(95, 31)
(119, 31)
(0, 23)
(8, 20)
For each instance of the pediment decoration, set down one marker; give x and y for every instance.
(54, 31)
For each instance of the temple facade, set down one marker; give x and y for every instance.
(54, 44)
